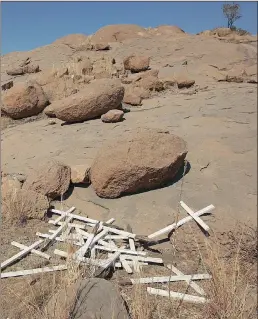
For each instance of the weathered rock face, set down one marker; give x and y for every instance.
(101, 46)
(151, 83)
(112, 116)
(96, 99)
(24, 100)
(134, 94)
(80, 174)
(31, 68)
(58, 85)
(132, 98)
(51, 179)
(75, 41)
(136, 63)
(23, 69)
(135, 77)
(118, 32)
(184, 82)
(88, 299)
(179, 78)
(170, 30)
(105, 68)
(141, 92)
(139, 162)
(84, 67)
(247, 75)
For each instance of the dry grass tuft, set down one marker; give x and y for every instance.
(229, 292)
(14, 208)
(248, 251)
(56, 300)
(141, 306)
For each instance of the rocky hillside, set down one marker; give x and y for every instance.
(118, 69)
(125, 123)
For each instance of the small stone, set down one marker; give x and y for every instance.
(112, 116)
(132, 99)
(80, 174)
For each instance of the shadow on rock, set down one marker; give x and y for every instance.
(183, 171)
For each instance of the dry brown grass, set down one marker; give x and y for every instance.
(141, 305)
(14, 208)
(53, 296)
(231, 290)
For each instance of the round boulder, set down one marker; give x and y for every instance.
(140, 162)
(135, 63)
(51, 179)
(24, 100)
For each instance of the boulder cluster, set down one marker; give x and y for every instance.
(86, 90)
(140, 161)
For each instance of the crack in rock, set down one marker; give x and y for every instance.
(203, 167)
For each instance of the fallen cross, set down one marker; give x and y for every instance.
(196, 218)
(21, 254)
(189, 281)
(34, 251)
(181, 222)
(120, 249)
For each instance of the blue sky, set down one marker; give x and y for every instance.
(27, 25)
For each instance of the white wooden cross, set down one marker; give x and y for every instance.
(193, 215)
(196, 218)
